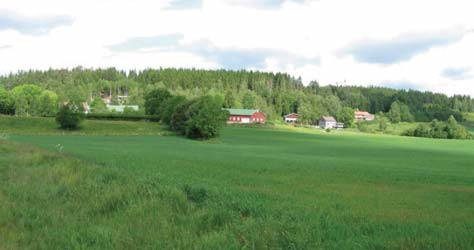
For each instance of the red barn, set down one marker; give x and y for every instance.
(246, 116)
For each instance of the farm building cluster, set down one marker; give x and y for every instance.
(329, 122)
(237, 116)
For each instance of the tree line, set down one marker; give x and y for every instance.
(276, 94)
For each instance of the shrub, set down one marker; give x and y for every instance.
(441, 130)
(69, 117)
(7, 103)
(179, 117)
(154, 100)
(363, 126)
(169, 107)
(382, 124)
(98, 106)
(205, 118)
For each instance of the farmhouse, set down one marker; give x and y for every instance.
(363, 116)
(327, 122)
(293, 117)
(246, 116)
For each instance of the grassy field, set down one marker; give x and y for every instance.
(48, 126)
(251, 189)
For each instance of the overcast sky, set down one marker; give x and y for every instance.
(417, 44)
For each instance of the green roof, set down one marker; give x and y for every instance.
(242, 111)
(121, 108)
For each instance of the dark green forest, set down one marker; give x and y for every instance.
(275, 94)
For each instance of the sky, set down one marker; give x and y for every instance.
(425, 45)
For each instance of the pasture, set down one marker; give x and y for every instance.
(250, 189)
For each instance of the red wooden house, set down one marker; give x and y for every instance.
(246, 116)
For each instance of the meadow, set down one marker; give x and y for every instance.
(253, 188)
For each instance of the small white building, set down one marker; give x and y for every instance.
(327, 122)
(293, 117)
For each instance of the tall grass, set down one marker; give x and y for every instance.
(251, 189)
(42, 126)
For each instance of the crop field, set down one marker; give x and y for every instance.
(250, 189)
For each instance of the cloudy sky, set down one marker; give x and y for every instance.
(418, 44)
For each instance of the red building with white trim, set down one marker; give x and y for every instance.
(246, 116)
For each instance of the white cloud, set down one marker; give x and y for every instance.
(300, 37)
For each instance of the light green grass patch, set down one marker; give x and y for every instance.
(280, 189)
(48, 126)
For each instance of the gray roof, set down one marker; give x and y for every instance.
(328, 119)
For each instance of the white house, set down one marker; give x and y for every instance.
(293, 117)
(327, 122)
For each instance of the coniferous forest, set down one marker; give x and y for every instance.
(275, 94)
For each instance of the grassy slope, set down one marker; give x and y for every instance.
(265, 189)
(48, 126)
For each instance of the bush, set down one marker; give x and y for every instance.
(205, 118)
(363, 126)
(382, 124)
(169, 107)
(440, 130)
(69, 117)
(178, 118)
(7, 103)
(154, 101)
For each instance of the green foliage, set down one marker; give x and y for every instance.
(7, 103)
(27, 99)
(169, 107)
(441, 130)
(274, 93)
(69, 117)
(205, 118)
(98, 106)
(179, 117)
(333, 105)
(48, 103)
(363, 126)
(395, 114)
(249, 100)
(383, 124)
(346, 116)
(154, 101)
(308, 113)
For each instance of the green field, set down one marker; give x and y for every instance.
(285, 188)
(48, 126)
